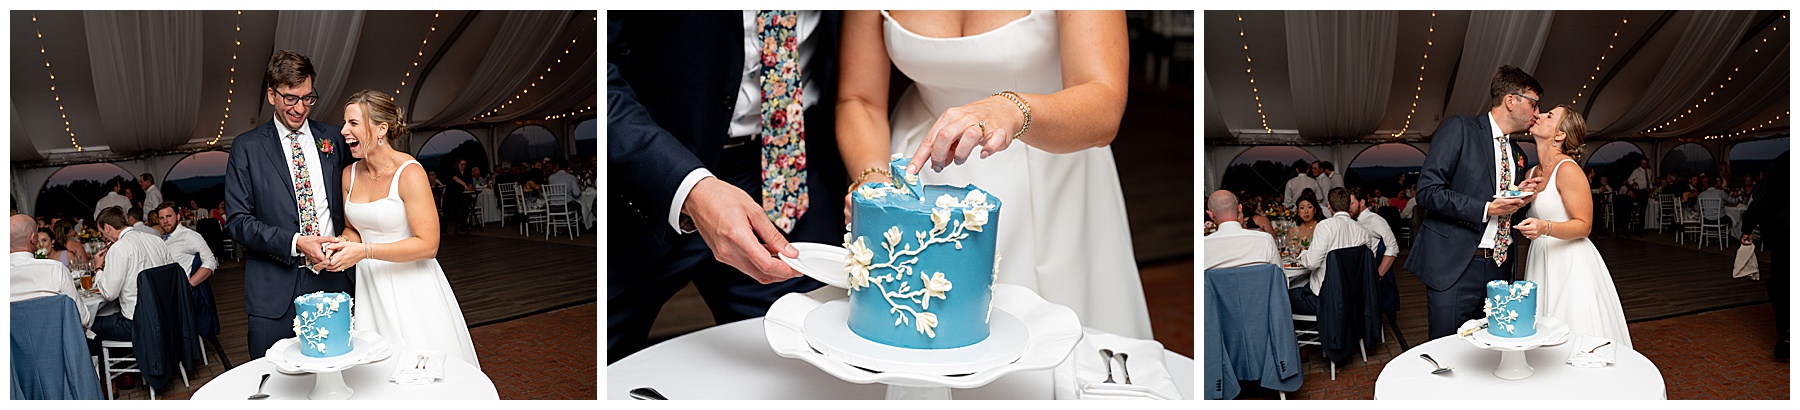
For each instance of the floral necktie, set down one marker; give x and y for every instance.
(783, 128)
(1502, 236)
(309, 219)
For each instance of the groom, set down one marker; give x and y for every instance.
(1467, 238)
(284, 203)
(705, 175)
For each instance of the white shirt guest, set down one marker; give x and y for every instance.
(111, 199)
(1231, 245)
(1378, 229)
(1336, 232)
(131, 253)
(1296, 185)
(34, 278)
(183, 244)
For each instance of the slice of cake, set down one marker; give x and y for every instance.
(1511, 308)
(322, 322)
(922, 266)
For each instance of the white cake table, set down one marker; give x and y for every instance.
(733, 361)
(462, 381)
(1407, 376)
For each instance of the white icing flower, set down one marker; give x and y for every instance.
(1509, 328)
(1526, 292)
(939, 217)
(1512, 315)
(872, 193)
(1487, 305)
(935, 287)
(893, 236)
(947, 201)
(324, 332)
(927, 324)
(911, 179)
(896, 156)
(974, 218)
(975, 198)
(857, 263)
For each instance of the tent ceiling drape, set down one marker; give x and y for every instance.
(137, 83)
(1328, 77)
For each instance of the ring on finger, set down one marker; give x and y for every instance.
(982, 124)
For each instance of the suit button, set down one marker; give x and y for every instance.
(730, 102)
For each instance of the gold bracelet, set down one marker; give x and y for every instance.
(865, 176)
(1024, 108)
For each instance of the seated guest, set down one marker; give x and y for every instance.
(1377, 226)
(34, 278)
(135, 217)
(1254, 220)
(132, 252)
(1232, 245)
(561, 176)
(1336, 232)
(184, 244)
(1717, 191)
(65, 247)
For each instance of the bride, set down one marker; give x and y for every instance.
(1024, 104)
(392, 237)
(1575, 285)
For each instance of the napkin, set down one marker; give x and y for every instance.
(1746, 263)
(1605, 355)
(416, 367)
(1082, 374)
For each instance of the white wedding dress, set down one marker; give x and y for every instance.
(1574, 284)
(408, 303)
(1063, 231)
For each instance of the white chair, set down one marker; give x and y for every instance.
(1668, 208)
(557, 213)
(535, 212)
(1689, 220)
(509, 202)
(1712, 221)
(107, 359)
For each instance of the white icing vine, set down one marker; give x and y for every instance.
(901, 258)
(304, 326)
(1496, 307)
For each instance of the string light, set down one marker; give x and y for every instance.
(1603, 53)
(1430, 28)
(229, 88)
(420, 54)
(54, 94)
(1756, 128)
(533, 84)
(568, 114)
(1254, 93)
(1729, 77)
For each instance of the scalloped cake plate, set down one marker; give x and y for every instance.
(1551, 332)
(821, 262)
(365, 347)
(827, 333)
(1052, 331)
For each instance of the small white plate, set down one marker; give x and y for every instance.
(822, 262)
(1520, 195)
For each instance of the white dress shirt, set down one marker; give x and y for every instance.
(1640, 177)
(1233, 246)
(1378, 228)
(315, 171)
(133, 253)
(1502, 158)
(563, 177)
(1298, 184)
(152, 197)
(1725, 198)
(183, 244)
(111, 199)
(746, 116)
(141, 227)
(33, 278)
(1336, 232)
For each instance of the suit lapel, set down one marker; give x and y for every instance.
(1485, 141)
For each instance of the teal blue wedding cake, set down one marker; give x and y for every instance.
(322, 322)
(922, 263)
(1511, 308)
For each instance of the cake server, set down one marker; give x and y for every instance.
(1107, 355)
(1123, 369)
(646, 393)
(259, 387)
(1440, 368)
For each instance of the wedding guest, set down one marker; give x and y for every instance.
(560, 176)
(1310, 213)
(218, 213)
(1687, 191)
(1254, 219)
(480, 180)
(112, 198)
(135, 217)
(1332, 234)
(1717, 190)
(1769, 210)
(65, 245)
(1328, 179)
(184, 245)
(1378, 201)
(132, 252)
(34, 278)
(152, 194)
(1377, 226)
(1302, 181)
(1231, 245)
(41, 241)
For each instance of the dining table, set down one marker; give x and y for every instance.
(1408, 376)
(369, 381)
(1736, 214)
(490, 204)
(734, 361)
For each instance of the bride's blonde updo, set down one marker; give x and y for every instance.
(1576, 128)
(380, 108)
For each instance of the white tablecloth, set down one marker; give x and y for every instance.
(1736, 213)
(462, 381)
(1296, 277)
(1652, 213)
(490, 206)
(733, 361)
(588, 212)
(1407, 376)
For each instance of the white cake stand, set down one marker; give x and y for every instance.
(1050, 332)
(365, 347)
(1551, 332)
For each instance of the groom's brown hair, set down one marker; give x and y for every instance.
(1510, 80)
(287, 68)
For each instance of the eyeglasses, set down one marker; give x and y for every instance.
(294, 99)
(1534, 101)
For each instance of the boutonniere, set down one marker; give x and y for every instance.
(325, 147)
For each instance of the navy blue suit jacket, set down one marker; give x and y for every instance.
(1455, 184)
(262, 215)
(672, 82)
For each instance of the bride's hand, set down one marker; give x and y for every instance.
(344, 255)
(988, 123)
(1532, 228)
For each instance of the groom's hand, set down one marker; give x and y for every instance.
(732, 223)
(1504, 206)
(314, 247)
